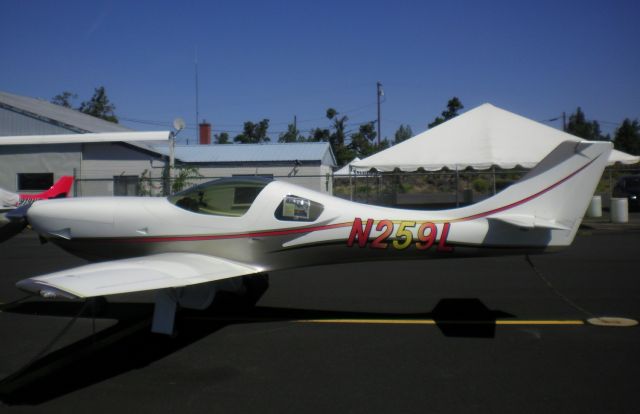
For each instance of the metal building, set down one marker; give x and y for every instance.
(309, 164)
(116, 168)
(27, 168)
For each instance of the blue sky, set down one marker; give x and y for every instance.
(277, 59)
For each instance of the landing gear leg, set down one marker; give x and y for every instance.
(164, 312)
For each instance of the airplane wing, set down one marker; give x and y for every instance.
(8, 199)
(152, 272)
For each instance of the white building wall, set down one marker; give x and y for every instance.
(59, 159)
(103, 161)
(96, 164)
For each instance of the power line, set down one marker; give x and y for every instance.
(562, 116)
(148, 122)
(234, 127)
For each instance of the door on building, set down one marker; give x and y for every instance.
(125, 185)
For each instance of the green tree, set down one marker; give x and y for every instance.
(403, 133)
(292, 135)
(222, 138)
(253, 133)
(183, 177)
(99, 106)
(453, 106)
(627, 137)
(363, 142)
(344, 155)
(338, 135)
(579, 126)
(384, 144)
(64, 99)
(319, 135)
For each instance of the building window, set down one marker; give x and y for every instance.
(125, 185)
(34, 181)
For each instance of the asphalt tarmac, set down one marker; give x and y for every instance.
(491, 335)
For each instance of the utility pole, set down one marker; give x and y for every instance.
(564, 121)
(380, 94)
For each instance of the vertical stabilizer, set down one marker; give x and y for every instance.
(553, 196)
(60, 189)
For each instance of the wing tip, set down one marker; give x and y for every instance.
(42, 289)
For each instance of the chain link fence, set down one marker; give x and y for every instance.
(447, 189)
(418, 190)
(133, 185)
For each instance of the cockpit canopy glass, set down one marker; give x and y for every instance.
(230, 197)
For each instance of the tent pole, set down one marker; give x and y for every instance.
(457, 195)
(493, 168)
(350, 183)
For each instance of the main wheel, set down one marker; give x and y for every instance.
(255, 286)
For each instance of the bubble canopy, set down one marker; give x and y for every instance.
(229, 197)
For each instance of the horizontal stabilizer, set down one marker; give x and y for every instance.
(553, 196)
(159, 271)
(529, 221)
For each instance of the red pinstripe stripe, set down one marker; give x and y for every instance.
(268, 233)
(300, 230)
(524, 200)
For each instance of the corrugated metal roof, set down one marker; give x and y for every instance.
(228, 153)
(76, 120)
(280, 152)
(67, 118)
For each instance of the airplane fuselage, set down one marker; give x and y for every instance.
(105, 228)
(222, 234)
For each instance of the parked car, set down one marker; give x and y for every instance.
(629, 187)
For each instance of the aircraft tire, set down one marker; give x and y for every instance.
(255, 286)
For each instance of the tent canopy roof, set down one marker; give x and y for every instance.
(346, 170)
(480, 138)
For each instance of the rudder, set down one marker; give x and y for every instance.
(554, 195)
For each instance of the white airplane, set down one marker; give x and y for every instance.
(218, 235)
(10, 201)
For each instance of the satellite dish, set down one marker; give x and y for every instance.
(178, 124)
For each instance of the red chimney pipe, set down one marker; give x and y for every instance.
(205, 133)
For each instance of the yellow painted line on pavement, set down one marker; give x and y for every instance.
(433, 322)
(387, 321)
(372, 321)
(540, 322)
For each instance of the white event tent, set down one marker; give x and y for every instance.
(480, 138)
(347, 170)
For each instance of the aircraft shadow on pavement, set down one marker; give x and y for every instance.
(130, 345)
(125, 346)
(467, 318)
